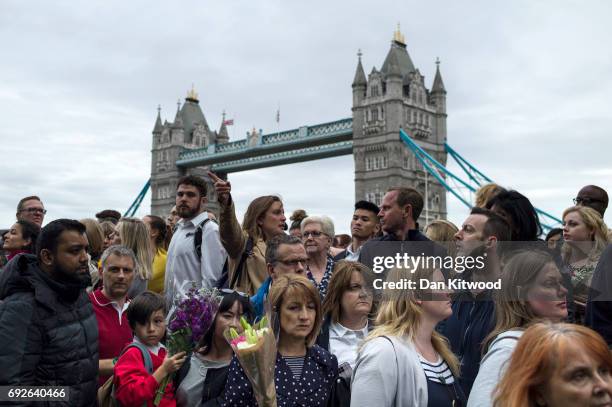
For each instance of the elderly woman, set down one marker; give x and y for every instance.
(304, 373)
(318, 235)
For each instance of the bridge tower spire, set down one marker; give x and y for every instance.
(189, 130)
(396, 97)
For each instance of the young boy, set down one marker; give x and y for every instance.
(134, 385)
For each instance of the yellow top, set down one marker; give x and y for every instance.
(156, 283)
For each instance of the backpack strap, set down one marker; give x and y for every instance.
(248, 251)
(197, 238)
(495, 341)
(197, 246)
(396, 365)
(148, 362)
(146, 357)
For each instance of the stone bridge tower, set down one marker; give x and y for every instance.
(189, 130)
(396, 97)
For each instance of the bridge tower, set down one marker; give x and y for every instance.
(189, 130)
(396, 97)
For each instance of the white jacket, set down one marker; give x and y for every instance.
(492, 368)
(388, 373)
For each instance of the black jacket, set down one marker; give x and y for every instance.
(599, 305)
(48, 333)
(472, 321)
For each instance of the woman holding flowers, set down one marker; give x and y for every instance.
(202, 380)
(304, 373)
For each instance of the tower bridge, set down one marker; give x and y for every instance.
(397, 136)
(385, 101)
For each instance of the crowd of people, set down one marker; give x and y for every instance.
(85, 304)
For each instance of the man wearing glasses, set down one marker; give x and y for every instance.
(284, 255)
(31, 209)
(594, 197)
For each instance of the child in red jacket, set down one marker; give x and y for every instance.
(134, 385)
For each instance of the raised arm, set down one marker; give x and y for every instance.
(232, 236)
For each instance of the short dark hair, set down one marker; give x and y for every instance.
(49, 235)
(526, 224)
(409, 196)
(228, 300)
(495, 224)
(110, 215)
(24, 200)
(195, 181)
(273, 244)
(368, 206)
(30, 231)
(143, 306)
(553, 232)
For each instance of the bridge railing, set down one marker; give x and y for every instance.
(341, 127)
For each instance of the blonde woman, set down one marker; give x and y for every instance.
(443, 232)
(486, 192)
(404, 361)
(134, 234)
(95, 238)
(585, 235)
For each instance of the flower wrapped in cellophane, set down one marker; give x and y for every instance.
(192, 317)
(255, 349)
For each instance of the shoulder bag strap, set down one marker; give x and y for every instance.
(248, 250)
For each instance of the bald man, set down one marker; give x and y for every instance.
(594, 197)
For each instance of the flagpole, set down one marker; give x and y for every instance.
(278, 120)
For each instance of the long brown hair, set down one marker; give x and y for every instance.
(542, 350)
(511, 309)
(256, 211)
(340, 282)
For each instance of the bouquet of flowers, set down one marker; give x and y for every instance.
(255, 349)
(192, 318)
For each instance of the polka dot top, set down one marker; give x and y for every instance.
(311, 389)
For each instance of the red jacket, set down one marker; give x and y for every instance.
(134, 385)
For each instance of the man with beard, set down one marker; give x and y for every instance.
(110, 303)
(48, 329)
(186, 267)
(473, 315)
(364, 226)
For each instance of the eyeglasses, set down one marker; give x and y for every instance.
(293, 263)
(585, 201)
(34, 210)
(228, 291)
(314, 233)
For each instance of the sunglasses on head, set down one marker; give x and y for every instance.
(228, 291)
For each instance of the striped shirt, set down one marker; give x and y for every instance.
(296, 365)
(438, 372)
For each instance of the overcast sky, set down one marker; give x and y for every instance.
(529, 91)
